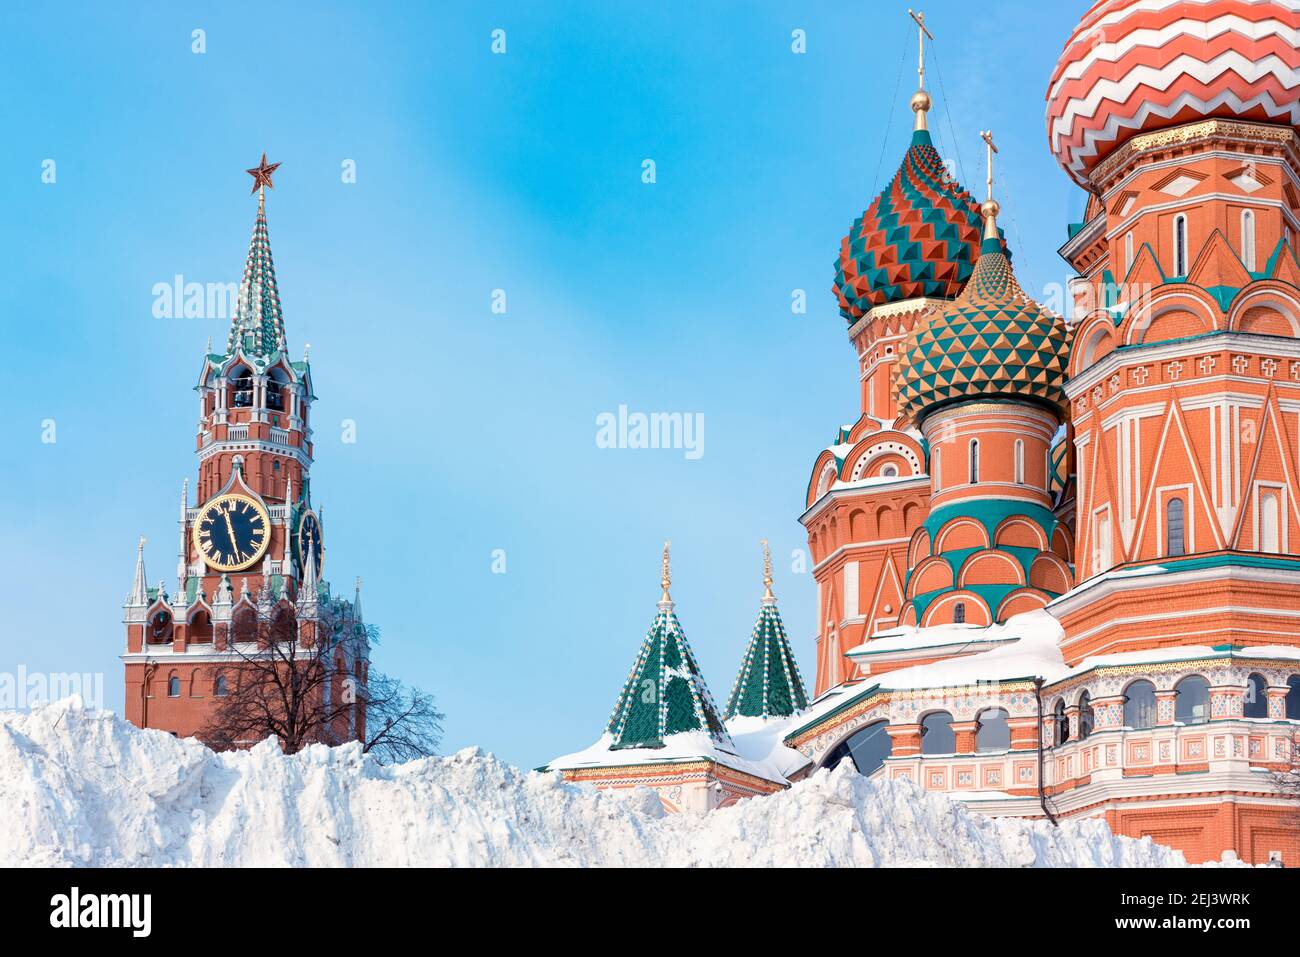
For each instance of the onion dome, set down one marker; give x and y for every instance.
(993, 341)
(918, 238)
(1133, 66)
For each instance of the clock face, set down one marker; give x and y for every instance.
(232, 532)
(309, 536)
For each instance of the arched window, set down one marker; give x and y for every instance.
(1175, 539)
(1060, 723)
(934, 469)
(1293, 698)
(276, 383)
(219, 687)
(1086, 719)
(1101, 549)
(241, 388)
(1269, 515)
(1140, 705)
(1192, 704)
(173, 687)
(959, 613)
(161, 627)
(1128, 252)
(1248, 239)
(937, 736)
(867, 748)
(993, 733)
(1020, 462)
(1180, 245)
(974, 461)
(1256, 703)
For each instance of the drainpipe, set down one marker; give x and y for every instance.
(1042, 790)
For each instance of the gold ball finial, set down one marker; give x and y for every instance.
(921, 101)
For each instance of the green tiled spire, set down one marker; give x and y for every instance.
(258, 325)
(769, 683)
(664, 693)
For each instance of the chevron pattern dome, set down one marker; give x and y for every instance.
(919, 238)
(992, 341)
(1132, 66)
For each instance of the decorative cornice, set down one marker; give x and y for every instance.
(1237, 131)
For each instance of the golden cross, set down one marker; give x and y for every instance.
(987, 137)
(923, 32)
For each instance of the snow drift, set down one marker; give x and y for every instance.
(81, 787)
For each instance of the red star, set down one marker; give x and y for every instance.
(261, 174)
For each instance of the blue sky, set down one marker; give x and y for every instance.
(475, 430)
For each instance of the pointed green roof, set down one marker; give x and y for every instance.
(258, 325)
(664, 693)
(769, 683)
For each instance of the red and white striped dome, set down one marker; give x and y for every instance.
(1139, 65)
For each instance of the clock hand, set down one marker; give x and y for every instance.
(234, 545)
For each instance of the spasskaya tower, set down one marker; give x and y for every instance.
(251, 547)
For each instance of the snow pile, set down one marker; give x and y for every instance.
(86, 788)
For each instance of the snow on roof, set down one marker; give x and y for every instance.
(937, 636)
(759, 750)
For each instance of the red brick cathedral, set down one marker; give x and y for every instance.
(251, 550)
(1057, 559)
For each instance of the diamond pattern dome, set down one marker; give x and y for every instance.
(992, 341)
(919, 238)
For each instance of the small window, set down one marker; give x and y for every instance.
(959, 613)
(889, 471)
(1140, 705)
(1180, 245)
(936, 479)
(1248, 239)
(1192, 704)
(1020, 462)
(993, 734)
(173, 687)
(219, 687)
(1256, 703)
(1128, 252)
(1175, 539)
(1269, 515)
(974, 461)
(937, 736)
(1293, 698)
(275, 465)
(1060, 723)
(1086, 718)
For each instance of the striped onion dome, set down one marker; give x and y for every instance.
(1133, 66)
(918, 238)
(993, 341)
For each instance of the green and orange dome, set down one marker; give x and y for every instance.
(919, 238)
(993, 341)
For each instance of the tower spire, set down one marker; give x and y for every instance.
(139, 587)
(258, 325)
(769, 683)
(990, 209)
(921, 101)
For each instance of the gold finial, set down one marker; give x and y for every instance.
(667, 578)
(921, 101)
(767, 573)
(990, 209)
(141, 546)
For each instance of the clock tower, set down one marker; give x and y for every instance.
(251, 547)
